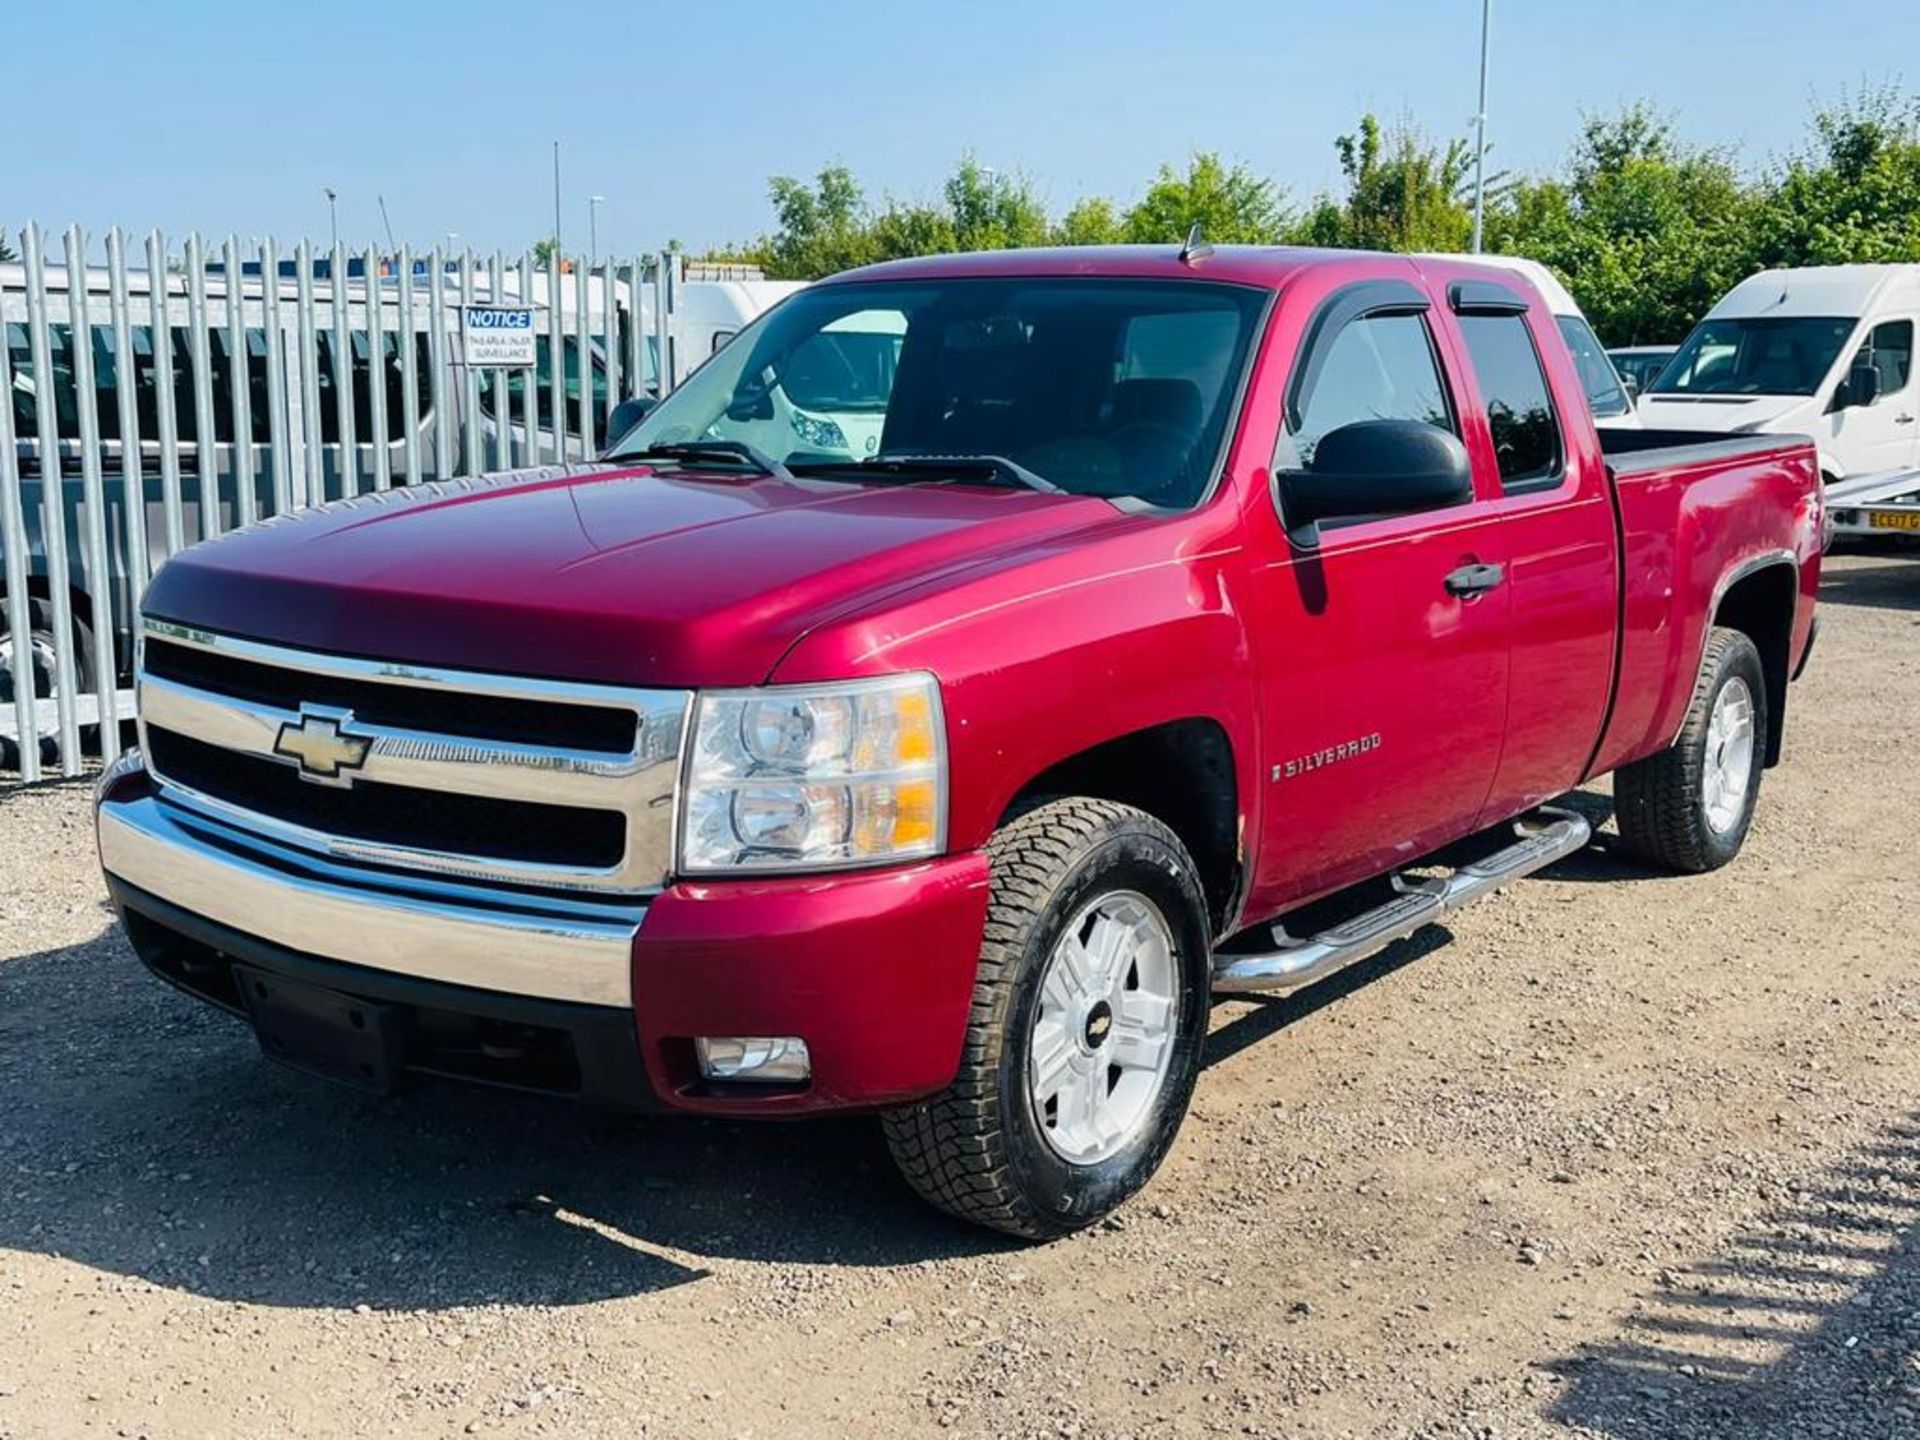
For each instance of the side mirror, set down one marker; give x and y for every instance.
(1631, 384)
(752, 397)
(627, 414)
(1374, 468)
(1862, 387)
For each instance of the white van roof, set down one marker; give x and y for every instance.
(1559, 300)
(1842, 291)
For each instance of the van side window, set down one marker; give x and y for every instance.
(543, 387)
(1379, 367)
(1888, 349)
(1526, 434)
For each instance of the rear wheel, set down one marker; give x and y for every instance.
(1084, 1041)
(1689, 807)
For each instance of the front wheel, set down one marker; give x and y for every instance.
(1084, 1040)
(1689, 807)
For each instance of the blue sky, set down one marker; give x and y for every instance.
(232, 115)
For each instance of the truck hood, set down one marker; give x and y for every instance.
(1722, 412)
(596, 572)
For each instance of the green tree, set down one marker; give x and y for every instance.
(1854, 194)
(1090, 222)
(6, 250)
(1404, 192)
(1231, 205)
(1647, 230)
(820, 228)
(992, 211)
(543, 249)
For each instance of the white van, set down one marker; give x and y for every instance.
(1606, 396)
(1825, 351)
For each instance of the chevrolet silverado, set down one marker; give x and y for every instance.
(1187, 622)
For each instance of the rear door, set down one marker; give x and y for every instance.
(1383, 692)
(1554, 540)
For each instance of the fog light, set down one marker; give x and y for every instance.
(763, 1059)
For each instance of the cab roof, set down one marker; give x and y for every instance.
(1265, 266)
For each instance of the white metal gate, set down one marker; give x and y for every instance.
(171, 394)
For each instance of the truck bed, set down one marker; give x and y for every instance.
(1632, 452)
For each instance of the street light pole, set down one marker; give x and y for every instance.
(594, 202)
(556, 197)
(1480, 127)
(333, 213)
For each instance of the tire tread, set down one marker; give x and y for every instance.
(950, 1148)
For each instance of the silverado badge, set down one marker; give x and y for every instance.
(321, 744)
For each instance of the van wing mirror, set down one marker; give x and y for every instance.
(1375, 468)
(1862, 388)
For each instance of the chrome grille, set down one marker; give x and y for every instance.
(492, 777)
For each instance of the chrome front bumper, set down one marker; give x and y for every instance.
(552, 947)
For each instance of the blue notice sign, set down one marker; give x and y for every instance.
(497, 336)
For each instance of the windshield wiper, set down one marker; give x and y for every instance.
(996, 468)
(710, 450)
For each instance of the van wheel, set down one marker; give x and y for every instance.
(1689, 807)
(1084, 1040)
(39, 662)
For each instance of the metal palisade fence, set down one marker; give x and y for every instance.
(172, 393)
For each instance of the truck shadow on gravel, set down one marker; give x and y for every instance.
(1807, 1323)
(143, 1134)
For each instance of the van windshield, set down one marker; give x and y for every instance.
(1107, 387)
(1772, 355)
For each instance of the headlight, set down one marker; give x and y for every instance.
(820, 434)
(815, 777)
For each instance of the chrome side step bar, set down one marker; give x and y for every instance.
(1545, 835)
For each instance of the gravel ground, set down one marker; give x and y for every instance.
(1611, 1155)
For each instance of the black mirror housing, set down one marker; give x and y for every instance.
(1378, 467)
(627, 414)
(1862, 386)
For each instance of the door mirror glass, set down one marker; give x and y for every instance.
(1374, 468)
(1631, 384)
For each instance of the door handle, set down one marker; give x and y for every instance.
(1471, 581)
(1903, 419)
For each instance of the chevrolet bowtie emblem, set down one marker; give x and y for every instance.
(323, 747)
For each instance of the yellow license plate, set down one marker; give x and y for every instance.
(1894, 519)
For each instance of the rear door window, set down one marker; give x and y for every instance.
(1526, 433)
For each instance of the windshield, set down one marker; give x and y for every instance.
(1099, 387)
(1776, 355)
(1605, 396)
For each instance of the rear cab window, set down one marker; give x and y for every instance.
(1519, 404)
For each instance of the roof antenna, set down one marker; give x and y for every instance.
(1196, 249)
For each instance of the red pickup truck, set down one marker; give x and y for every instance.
(975, 667)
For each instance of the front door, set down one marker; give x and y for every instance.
(1880, 436)
(1383, 676)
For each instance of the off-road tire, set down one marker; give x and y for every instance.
(976, 1149)
(1658, 801)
